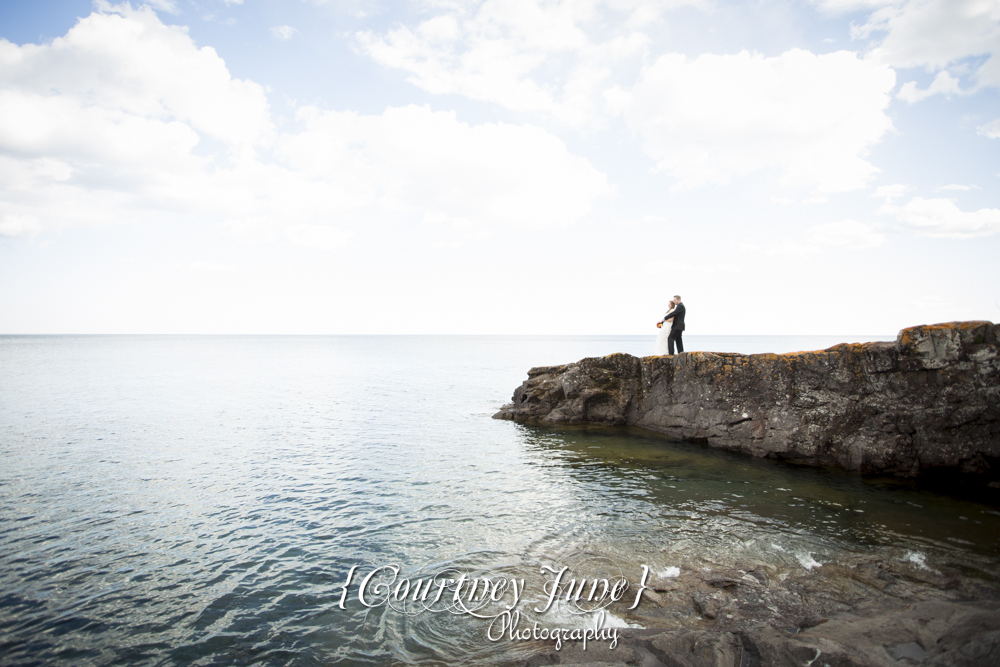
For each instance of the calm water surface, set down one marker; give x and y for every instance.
(200, 500)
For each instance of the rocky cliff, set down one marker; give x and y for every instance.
(929, 400)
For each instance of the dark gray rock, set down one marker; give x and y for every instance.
(939, 633)
(911, 651)
(929, 400)
(841, 613)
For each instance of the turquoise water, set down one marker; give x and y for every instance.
(201, 500)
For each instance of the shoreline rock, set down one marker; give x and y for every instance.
(864, 610)
(930, 400)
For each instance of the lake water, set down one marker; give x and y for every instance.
(201, 500)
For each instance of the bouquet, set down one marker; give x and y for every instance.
(659, 325)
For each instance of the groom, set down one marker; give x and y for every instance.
(677, 311)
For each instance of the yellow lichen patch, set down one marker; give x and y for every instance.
(847, 347)
(907, 336)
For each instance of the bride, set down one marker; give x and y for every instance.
(664, 332)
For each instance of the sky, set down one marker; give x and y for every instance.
(498, 166)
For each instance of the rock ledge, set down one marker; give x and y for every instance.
(929, 400)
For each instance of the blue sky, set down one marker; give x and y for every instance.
(450, 166)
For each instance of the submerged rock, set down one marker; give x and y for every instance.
(929, 400)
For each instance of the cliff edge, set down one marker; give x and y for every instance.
(929, 400)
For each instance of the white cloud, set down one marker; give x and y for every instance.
(108, 124)
(168, 6)
(124, 65)
(891, 192)
(943, 84)
(991, 129)
(672, 268)
(716, 117)
(321, 237)
(839, 6)
(233, 2)
(943, 218)
(956, 186)
(643, 220)
(845, 234)
(283, 31)
(212, 267)
(822, 238)
(938, 33)
(19, 226)
(413, 159)
(553, 58)
(705, 120)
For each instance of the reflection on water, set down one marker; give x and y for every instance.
(201, 499)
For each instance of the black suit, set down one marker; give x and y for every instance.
(676, 328)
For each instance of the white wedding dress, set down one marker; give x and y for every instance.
(661, 339)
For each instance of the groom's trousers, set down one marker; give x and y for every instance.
(675, 337)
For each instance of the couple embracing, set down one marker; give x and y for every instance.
(671, 334)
